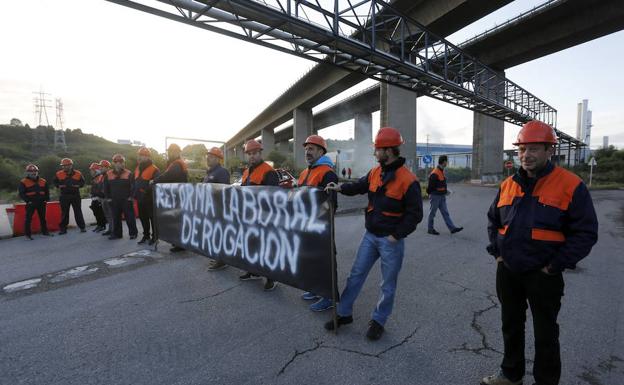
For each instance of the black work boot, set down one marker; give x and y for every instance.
(329, 325)
(375, 330)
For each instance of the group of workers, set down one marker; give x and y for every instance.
(541, 222)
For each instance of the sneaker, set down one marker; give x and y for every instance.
(433, 232)
(269, 285)
(248, 277)
(176, 249)
(329, 325)
(499, 379)
(375, 330)
(322, 305)
(307, 296)
(216, 265)
(83, 230)
(456, 230)
(143, 240)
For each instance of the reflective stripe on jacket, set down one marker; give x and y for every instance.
(69, 184)
(142, 179)
(118, 185)
(545, 221)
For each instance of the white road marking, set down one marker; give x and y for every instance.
(22, 285)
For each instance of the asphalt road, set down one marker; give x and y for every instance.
(111, 312)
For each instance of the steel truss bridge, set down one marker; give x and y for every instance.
(369, 37)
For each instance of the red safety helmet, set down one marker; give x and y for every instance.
(67, 162)
(318, 140)
(388, 137)
(118, 158)
(32, 168)
(105, 163)
(536, 132)
(252, 145)
(144, 151)
(216, 151)
(94, 166)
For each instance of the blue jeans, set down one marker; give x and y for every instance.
(439, 202)
(371, 248)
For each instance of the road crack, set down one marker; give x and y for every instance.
(211, 295)
(297, 354)
(485, 346)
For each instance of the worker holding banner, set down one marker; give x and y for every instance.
(394, 210)
(320, 173)
(258, 173)
(216, 174)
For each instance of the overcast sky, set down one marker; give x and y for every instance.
(124, 74)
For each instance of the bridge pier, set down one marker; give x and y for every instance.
(268, 140)
(488, 137)
(363, 138)
(398, 110)
(302, 128)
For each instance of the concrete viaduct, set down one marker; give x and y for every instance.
(554, 26)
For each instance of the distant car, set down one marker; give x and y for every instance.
(286, 180)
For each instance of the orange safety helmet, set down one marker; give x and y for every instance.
(318, 140)
(536, 132)
(118, 158)
(144, 151)
(67, 162)
(94, 166)
(105, 163)
(32, 168)
(252, 145)
(388, 137)
(216, 151)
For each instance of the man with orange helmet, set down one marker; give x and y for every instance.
(35, 192)
(541, 222)
(97, 196)
(176, 172)
(144, 173)
(258, 173)
(118, 185)
(216, 174)
(437, 190)
(394, 210)
(320, 173)
(105, 166)
(69, 181)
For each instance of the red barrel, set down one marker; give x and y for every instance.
(53, 218)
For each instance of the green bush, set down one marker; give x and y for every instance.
(9, 174)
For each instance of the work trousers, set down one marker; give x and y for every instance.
(146, 215)
(371, 249)
(439, 202)
(98, 212)
(40, 208)
(108, 213)
(125, 207)
(74, 202)
(543, 293)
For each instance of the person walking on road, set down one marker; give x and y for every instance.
(349, 172)
(437, 197)
(320, 173)
(144, 173)
(176, 172)
(97, 196)
(259, 173)
(216, 174)
(541, 222)
(118, 191)
(35, 192)
(394, 210)
(106, 165)
(69, 181)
